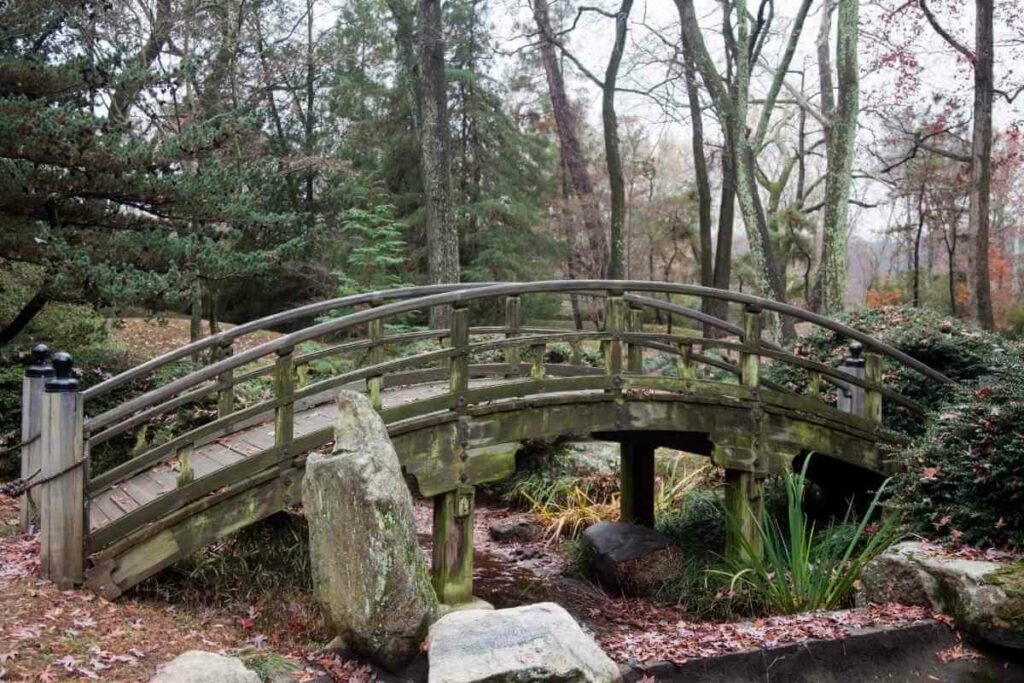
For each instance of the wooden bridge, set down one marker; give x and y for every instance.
(457, 401)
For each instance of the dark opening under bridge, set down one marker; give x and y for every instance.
(457, 401)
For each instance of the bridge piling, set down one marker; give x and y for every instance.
(32, 390)
(636, 459)
(62, 491)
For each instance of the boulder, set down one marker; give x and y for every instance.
(985, 598)
(524, 644)
(515, 529)
(634, 559)
(368, 571)
(196, 666)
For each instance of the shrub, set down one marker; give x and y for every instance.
(799, 569)
(956, 348)
(963, 479)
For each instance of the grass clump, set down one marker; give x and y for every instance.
(800, 568)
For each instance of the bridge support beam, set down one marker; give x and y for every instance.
(636, 461)
(31, 424)
(452, 567)
(744, 509)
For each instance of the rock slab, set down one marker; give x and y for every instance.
(986, 599)
(526, 644)
(634, 559)
(196, 666)
(368, 571)
(515, 529)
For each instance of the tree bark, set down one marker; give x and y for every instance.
(128, 89)
(981, 164)
(28, 312)
(573, 162)
(613, 157)
(435, 147)
(841, 141)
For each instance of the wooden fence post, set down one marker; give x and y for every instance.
(375, 330)
(62, 493)
(459, 366)
(284, 389)
(32, 389)
(851, 398)
(635, 352)
(226, 383)
(513, 307)
(537, 369)
(873, 397)
(743, 487)
(614, 322)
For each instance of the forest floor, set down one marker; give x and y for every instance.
(48, 635)
(147, 338)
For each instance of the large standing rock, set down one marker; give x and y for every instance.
(368, 570)
(986, 599)
(196, 666)
(521, 645)
(635, 559)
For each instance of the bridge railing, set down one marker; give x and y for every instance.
(523, 369)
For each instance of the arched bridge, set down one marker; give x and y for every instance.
(457, 401)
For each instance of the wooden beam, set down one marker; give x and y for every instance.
(452, 569)
(513, 308)
(744, 509)
(32, 391)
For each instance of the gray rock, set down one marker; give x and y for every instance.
(196, 666)
(368, 571)
(515, 529)
(634, 559)
(986, 599)
(521, 645)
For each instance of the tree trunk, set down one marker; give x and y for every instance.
(841, 141)
(573, 162)
(981, 165)
(28, 312)
(435, 146)
(613, 157)
(128, 89)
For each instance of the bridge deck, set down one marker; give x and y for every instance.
(209, 458)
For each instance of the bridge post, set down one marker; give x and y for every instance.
(62, 490)
(32, 388)
(284, 389)
(635, 352)
(684, 364)
(636, 484)
(537, 369)
(226, 383)
(743, 487)
(873, 397)
(851, 398)
(375, 356)
(452, 560)
(513, 306)
(614, 322)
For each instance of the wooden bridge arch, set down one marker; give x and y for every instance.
(456, 411)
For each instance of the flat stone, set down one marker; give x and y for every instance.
(515, 529)
(986, 599)
(368, 570)
(634, 559)
(526, 644)
(196, 666)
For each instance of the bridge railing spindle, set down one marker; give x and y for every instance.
(513, 307)
(375, 356)
(635, 352)
(284, 390)
(852, 398)
(873, 397)
(614, 323)
(225, 383)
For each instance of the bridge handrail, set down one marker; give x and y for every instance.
(473, 293)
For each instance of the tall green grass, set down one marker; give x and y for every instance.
(801, 568)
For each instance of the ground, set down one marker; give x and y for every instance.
(48, 634)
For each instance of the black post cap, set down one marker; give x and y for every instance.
(40, 366)
(856, 357)
(64, 380)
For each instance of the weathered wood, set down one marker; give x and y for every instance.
(635, 352)
(537, 370)
(32, 389)
(873, 397)
(636, 462)
(750, 362)
(62, 500)
(513, 306)
(459, 369)
(225, 383)
(284, 390)
(185, 473)
(684, 364)
(614, 323)
(452, 568)
(744, 509)
(374, 330)
(851, 395)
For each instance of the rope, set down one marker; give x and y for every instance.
(7, 451)
(18, 487)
